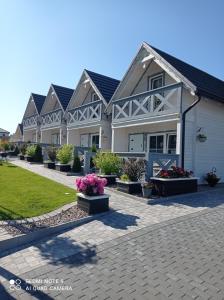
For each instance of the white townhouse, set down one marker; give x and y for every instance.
(164, 105)
(18, 135)
(31, 118)
(53, 123)
(87, 121)
(4, 133)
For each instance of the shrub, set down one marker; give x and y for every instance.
(76, 167)
(52, 154)
(30, 150)
(23, 149)
(109, 163)
(16, 150)
(91, 185)
(93, 148)
(38, 157)
(64, 154)
(175, 172)
(134, 168)
(212, 178)
(125, 177)
(5, 146)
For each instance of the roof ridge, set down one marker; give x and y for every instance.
(101, 75)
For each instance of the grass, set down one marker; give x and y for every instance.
(24, 194)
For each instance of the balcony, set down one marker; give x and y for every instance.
(52, 119)
(30, 122)
(155, 103)
(85, 114)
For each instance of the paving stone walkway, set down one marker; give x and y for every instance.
(64, 254)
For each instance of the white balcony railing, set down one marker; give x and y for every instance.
(161, 101)
(85, 114)
(30, 122)
(51, 119)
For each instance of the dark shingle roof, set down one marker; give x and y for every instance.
(106, 85)
(207, 85)
(64, 94)
(39, 101)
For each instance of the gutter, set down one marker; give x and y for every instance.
(184, 127)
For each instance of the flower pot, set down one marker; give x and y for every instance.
(213, 182)
(49, 164)
(146, 192)
(129, 187)
(93, 204)
(29, 158)
(173, 186)
(63, 167)
(111, 179)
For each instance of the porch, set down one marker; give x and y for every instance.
(31, 129)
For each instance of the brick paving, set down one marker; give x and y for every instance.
(121, 249)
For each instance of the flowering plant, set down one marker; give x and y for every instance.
(212, 178)
(175, 172)
(91, 185)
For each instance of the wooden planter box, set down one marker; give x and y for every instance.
(93, 204)
(29, 159)
(63, 168)
(175, 186)
(111, 179)
(129, 187)
(49, 164)
(21, 157)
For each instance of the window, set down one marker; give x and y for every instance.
(171, 143)
(156, 143)
(155, 83)
(55, 138)
(94, 97)
(95, 140)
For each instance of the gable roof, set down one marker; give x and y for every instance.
(38, 100)
(64, 94)
(206, 84)
(106, 85)
(3, 130)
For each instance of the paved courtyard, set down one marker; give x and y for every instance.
(166, 250)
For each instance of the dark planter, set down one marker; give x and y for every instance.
(62, 167)
(111, 179)
(21, 157)
(129, 187)
(49, 164)
(213, 182)
(29, 158)
(174, 186)
(93, 204)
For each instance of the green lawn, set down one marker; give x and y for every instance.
(25, 194)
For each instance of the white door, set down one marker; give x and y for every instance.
(136, 143)
(84, 140)
(156, 143)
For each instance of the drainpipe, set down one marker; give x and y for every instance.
(184, 127)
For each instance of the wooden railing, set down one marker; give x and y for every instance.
(161, 101)
(30, 122)
(84, 114)
(51, 119)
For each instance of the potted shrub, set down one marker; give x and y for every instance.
(22, 152)
(109, 165)
(50, 164)
(76, 166)
(64, 156)
(133, 170)
(147, 188)
(38, 157)
(16, 151)
(30, 153)
(91, 197)
(174, 181)
(212, 179)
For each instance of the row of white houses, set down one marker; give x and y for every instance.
(161, 105)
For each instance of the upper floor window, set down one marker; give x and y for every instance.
(94, 97)
(156, 81)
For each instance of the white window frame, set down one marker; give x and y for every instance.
(91, 136)
(167, 140)
(151, 78)
(94, 97)
(84, 134)
(157, 134)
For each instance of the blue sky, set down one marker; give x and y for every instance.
(51, 41)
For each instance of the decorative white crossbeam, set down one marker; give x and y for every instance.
(85, 113)
(160, 101)
(30, 122)
(51, 119)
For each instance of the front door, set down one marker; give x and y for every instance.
(156, 143)
(136, 142)
(84, 140)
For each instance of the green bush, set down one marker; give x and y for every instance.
(109, 163)
(76, 167)
(30, 150)
(52, 154)
(23, 149)
(64, 154)
(125, 177)
(16, 150)
(93, 148)
(38, 157)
